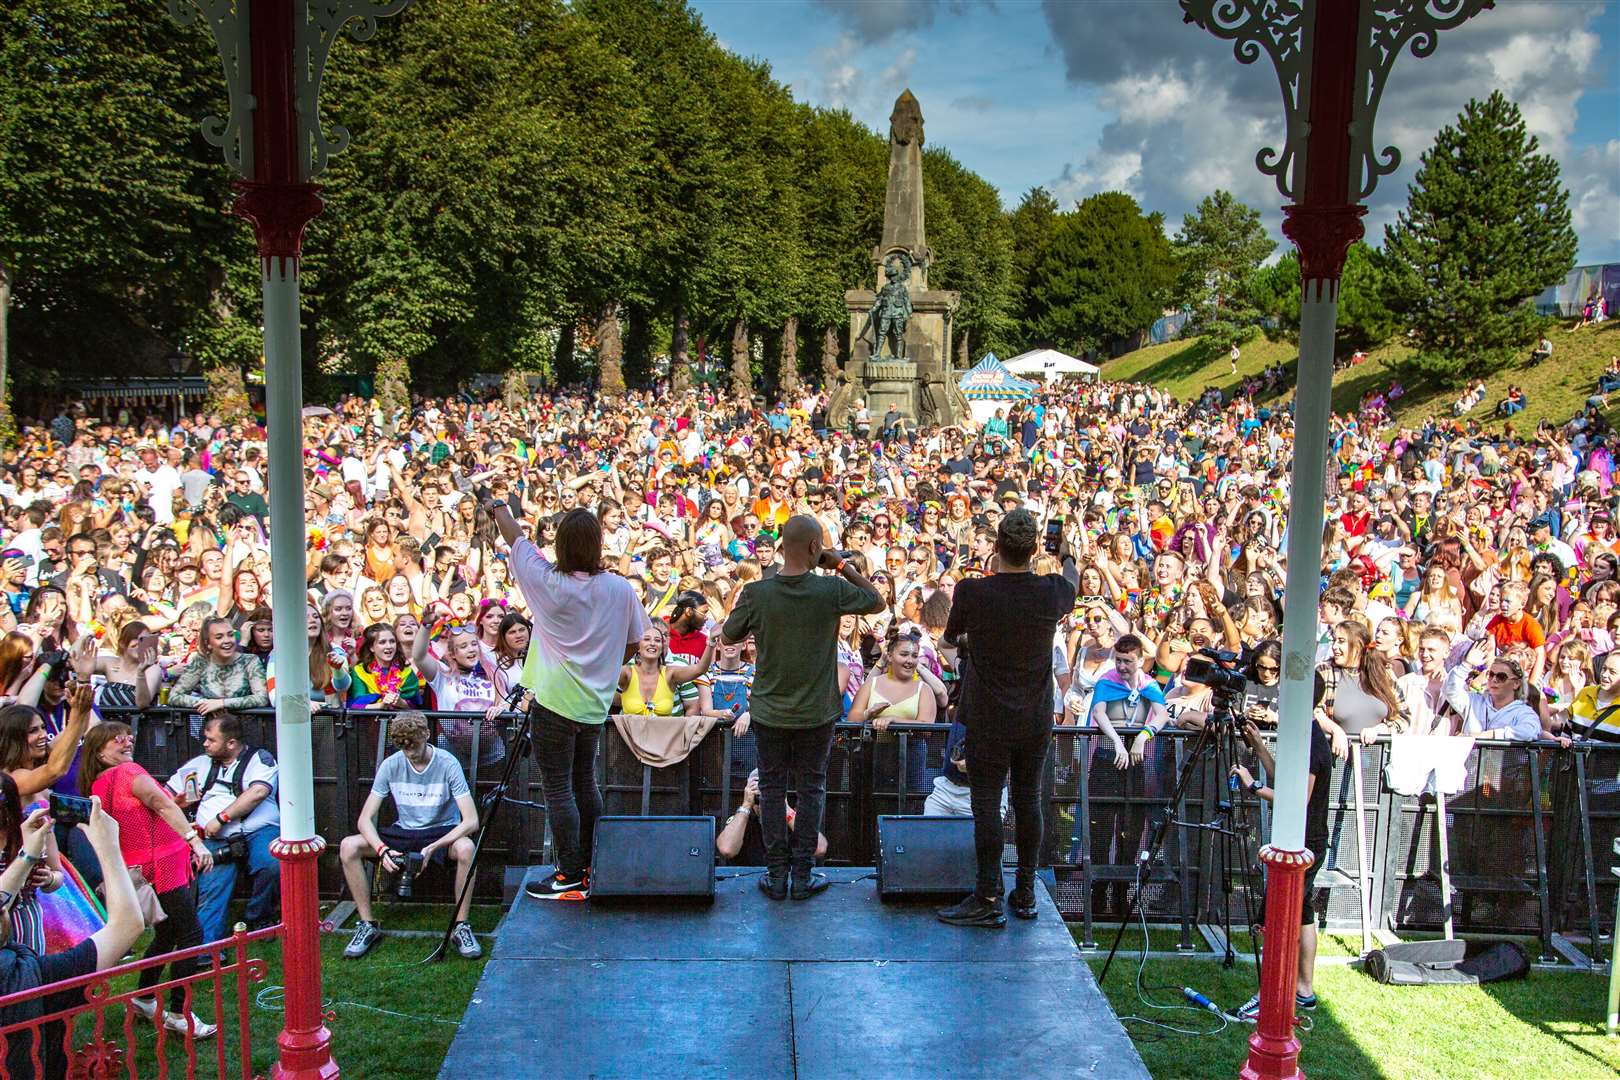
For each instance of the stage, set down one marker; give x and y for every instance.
(841, 985)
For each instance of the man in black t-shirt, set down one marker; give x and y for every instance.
(1006, 623)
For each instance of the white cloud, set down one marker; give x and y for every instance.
(846, 80)
(1189, 117)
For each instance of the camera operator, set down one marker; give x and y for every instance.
(437, 815)
(1317, 786)
(231, 786)
(1008, 621)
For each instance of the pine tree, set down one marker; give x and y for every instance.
(1486, 228)
(1221, 246)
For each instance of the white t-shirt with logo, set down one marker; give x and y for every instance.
(426, 798)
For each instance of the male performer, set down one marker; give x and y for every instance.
(794, 702)
(1005, 623)
(587, 623)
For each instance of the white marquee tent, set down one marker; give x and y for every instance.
(1050, 365)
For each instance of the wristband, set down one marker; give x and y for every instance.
(1148, 732)
(839, 569)
(30, 858)
(382, 849)
(1255, 786)
(223, 817)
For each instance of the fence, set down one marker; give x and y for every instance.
(87, 1026)
(1527, 831)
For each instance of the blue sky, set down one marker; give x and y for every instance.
(1091, 95)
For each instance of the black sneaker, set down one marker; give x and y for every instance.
(975, 910)
(1021, 902)
(806, 883)
(365, 938)
(774, 883)
(560, 886)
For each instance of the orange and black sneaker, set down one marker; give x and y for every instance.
(560, 886)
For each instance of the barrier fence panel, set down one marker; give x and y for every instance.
(1529, 834)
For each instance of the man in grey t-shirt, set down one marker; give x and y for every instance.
(437, 817)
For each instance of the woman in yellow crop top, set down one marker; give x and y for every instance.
(646, 686)
(901, 691)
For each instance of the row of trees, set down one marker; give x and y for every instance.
(543, 186)
(531, 184)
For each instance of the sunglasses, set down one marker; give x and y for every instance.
(1500, 676)
(1269, 669)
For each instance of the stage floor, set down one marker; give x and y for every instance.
(841, 985)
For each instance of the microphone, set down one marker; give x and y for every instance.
(1201, 1001)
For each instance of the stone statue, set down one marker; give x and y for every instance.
(891, 311)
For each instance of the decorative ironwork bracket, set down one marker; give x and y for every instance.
(228, 24)
(1388, 26)
(323, 21)
(316, 35)
(1283, 29)
(1280, 28)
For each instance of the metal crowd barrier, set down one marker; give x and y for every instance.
(1529, 834)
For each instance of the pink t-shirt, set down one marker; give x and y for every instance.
(146, 839)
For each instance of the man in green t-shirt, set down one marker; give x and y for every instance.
(794, 701)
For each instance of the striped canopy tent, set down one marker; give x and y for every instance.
(988, 386)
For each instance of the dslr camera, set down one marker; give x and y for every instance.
(1222, 672)
(235, 850)
(410, 864)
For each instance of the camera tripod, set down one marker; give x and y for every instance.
(1218, 741)
(489, 811)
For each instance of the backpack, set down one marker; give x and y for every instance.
(235, 782)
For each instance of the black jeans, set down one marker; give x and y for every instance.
(988, 763)
(566, 752)
(180, 930)
(799, 754)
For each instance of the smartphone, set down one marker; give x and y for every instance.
(1054, 535)
(70, 810)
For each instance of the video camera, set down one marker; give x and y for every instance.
(1223, 673)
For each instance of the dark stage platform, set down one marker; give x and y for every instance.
(841, 985)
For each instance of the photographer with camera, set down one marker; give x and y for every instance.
(231, 787)
(437, 817)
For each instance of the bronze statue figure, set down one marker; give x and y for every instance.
(891, 311)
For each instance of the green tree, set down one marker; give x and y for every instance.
(111, 225)
(1365, 318)
(1105, 273)
(1032, 224)
(1221, 246)
(1486, 228)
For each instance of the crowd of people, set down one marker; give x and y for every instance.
(1469, 584)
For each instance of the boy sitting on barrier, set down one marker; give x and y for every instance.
(437, 817)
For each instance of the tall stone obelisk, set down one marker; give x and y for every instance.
(900, 331)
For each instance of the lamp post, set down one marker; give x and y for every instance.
(177, 361)
(274, 53)
(1333, 58)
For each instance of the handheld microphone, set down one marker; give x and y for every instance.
(1200, 1000)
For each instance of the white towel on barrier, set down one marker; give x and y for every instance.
(1423, 763)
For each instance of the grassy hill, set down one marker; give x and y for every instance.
(1557, 389)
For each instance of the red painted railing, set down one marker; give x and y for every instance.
(97, 1037)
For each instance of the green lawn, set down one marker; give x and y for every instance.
(1548, 1025)
(1557, 389)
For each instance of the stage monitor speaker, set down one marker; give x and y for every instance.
(668, 857)
(925, 856)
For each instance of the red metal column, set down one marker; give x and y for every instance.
(1322, 224)
(280, 203)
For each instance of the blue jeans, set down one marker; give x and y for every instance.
(215, 887)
